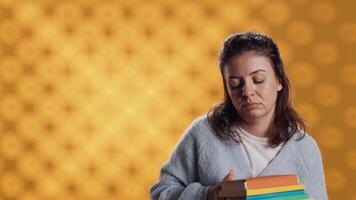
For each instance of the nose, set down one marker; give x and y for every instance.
(248, 90)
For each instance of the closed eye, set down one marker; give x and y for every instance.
(259, 81)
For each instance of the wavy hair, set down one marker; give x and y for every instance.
(223, 117)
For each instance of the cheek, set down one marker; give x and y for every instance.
(268, 92)
(234, 94)
(236, 99)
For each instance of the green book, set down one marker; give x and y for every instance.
(294, 197)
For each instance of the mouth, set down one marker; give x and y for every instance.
(250, 106)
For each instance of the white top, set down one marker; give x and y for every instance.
(256, 151)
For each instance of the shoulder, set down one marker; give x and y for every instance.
(199, 127)
(200, 123)
(304, 140)
(198, 132)
(306, 146)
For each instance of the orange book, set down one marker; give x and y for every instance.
(260, 182)
(262, 191)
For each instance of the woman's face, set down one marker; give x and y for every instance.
(252, 86)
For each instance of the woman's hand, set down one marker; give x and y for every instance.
(213, 192)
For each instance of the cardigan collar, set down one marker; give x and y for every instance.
(283, 154)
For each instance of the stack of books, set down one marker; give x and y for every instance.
(277, 187)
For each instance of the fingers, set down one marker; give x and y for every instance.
(213, 192)
(229, 176)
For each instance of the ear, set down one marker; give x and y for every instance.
(279, 87)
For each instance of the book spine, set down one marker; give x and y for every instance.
(274, 189)
(272, 182)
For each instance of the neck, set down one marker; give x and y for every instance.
(259, 127)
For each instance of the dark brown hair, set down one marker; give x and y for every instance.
(223, 117)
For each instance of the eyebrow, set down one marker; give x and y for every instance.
(254, 72)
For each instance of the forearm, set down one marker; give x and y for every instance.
(164, 191)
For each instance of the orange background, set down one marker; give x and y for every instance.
(94, 95)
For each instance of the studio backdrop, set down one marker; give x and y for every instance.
(94, 95)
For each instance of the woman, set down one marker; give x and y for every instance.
(253, 132)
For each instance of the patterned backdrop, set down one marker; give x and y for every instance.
(95, 94)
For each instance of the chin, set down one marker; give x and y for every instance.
(254, 114)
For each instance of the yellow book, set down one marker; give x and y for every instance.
(274, 189)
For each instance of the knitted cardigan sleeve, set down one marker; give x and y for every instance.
(316, 180)
(179, 175)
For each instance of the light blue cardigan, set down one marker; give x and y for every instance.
(201, 159)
